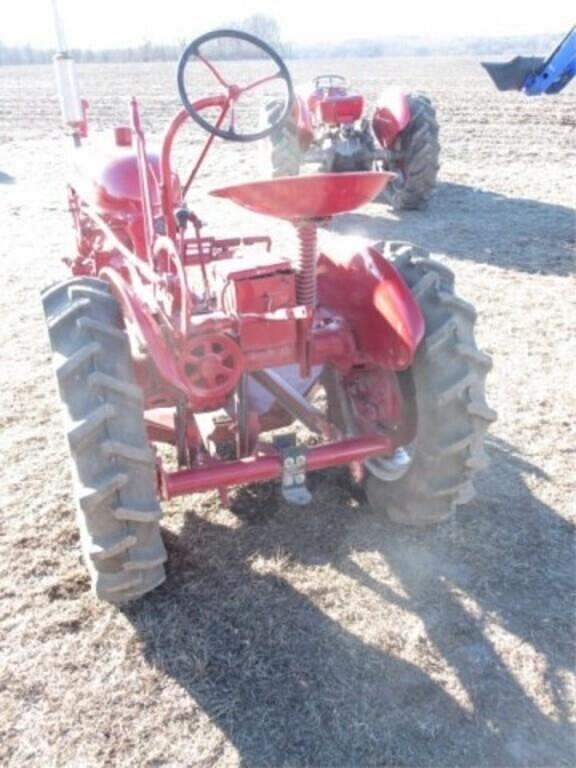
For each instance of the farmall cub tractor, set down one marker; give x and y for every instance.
(326, 130)
(163, 334)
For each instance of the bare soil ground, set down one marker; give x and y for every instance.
(322, 636)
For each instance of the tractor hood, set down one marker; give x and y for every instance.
(109, 180)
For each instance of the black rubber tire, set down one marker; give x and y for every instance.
(449, 375)
(284, 153)
(420, 146)
(113, 465)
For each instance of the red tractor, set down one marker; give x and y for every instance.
(164, 334)
(326, 129)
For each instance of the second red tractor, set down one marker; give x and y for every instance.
(327, 129)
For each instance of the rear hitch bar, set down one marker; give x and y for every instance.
(254, 469)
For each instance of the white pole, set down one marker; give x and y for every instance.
(60, 34)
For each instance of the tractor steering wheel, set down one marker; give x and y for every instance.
(233, 93)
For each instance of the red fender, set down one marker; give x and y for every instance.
(365, 288)
(391, 116)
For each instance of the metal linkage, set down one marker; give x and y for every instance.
(293, 402)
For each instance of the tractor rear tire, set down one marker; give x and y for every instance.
(283, 146)
(449, 374)
(113, 464)
(420, 149)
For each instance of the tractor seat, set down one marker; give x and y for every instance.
(317, 196)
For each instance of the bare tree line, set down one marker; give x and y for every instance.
(267, 28)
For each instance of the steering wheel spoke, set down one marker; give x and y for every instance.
(212, 69)
(260, 82)
(234, 92)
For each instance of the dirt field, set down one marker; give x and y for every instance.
(322, 636)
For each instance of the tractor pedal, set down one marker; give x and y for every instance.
(293, 486)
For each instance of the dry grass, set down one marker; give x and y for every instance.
(323, 636)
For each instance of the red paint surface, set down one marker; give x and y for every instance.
(340, 109)
(307, 197)
(391, 116)
(369, 293)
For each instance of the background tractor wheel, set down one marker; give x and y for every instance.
(284, 154)
(420, 163)
(113, 464)
(449, 374)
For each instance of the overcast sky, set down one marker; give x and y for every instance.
(116, 23)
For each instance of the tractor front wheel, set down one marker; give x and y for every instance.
(113, 465)
(448, 374)
(283, 146)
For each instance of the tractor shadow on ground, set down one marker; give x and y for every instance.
(288, 684)
(479, 225)
(5, 178)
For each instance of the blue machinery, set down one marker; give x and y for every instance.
(535, 76)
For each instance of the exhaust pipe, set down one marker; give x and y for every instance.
(72, 107)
